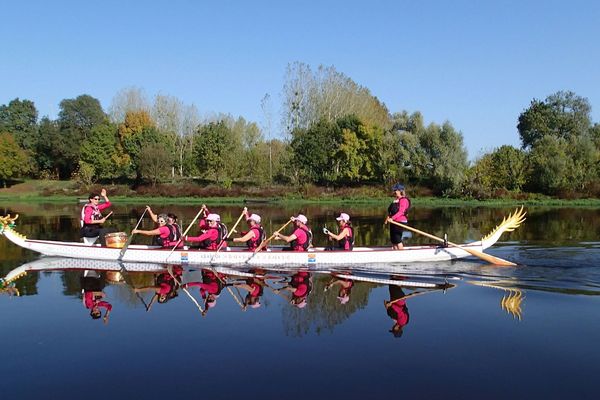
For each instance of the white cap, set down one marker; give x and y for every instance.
(301, 218)
(213, 217)
(255, 305)
(254, 217)
(343, 299)
(343, 216)
(302, 304)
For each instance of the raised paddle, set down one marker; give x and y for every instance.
(130, 238)
(487, 257)
(184, 233)
(387, 304)
(264, 242)
(232, 230)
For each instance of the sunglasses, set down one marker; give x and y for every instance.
(96, 198)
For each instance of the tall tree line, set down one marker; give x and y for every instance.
(334, 132)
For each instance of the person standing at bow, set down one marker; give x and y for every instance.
(301, 238)
(255, 235)
(92, 219)
(345, 238)
(398, 211)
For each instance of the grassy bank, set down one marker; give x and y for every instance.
(68, 192)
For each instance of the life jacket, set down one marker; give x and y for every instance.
(211, 277)
(96, 214)
(349, 240)
(210, 244)
(304, 246)
(172, 239)
(393, 314)
(167, 279)
(395, 207)
(299, 279)
(255, 242)
(251, 281)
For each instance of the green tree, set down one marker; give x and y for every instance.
(155, 163)
(212, 146)
(311, 153)
(103, 152)
(49, 148)
(81, 115)
(549, 162)
(76, 119)
(561, 115)
(509, 168)
(19, 118)
(13, 160)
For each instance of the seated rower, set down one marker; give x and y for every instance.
(166, 236)
(210, 288)
(92, 219)
(301, 238)
(345, 238)
(213, 236)
(255, 236)
(174, 228)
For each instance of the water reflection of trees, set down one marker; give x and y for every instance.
(323, 311)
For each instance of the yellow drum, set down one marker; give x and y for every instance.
(115, 240)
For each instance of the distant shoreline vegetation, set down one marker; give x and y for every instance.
(70, 192)
(333, 132)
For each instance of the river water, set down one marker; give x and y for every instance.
(464, 330)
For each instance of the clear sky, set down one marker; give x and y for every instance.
(477, 64)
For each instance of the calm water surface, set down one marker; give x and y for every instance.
(530, 331)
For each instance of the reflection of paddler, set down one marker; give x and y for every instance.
(254, 286)
(91, 287)
(300, 286)
(165, 287)
(346, 286)
(397, 310)
(210, 287)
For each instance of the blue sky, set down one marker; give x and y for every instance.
(477, 64)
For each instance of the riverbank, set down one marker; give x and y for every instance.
(67, 192)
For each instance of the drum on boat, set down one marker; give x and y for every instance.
(115, 240)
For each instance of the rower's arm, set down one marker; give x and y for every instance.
(153, 232)
(152, 215)
(341, 235)
(246, 237)
(285, 238)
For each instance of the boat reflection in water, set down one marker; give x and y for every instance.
(328, 294)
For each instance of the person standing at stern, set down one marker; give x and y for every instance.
(398, 211)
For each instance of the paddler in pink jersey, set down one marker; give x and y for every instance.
(301, 238)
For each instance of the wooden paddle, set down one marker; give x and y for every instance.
(170, 270)
(387, 304)
(130, 238)
(232, 230)
(184, 233)
(264, 242)
(487, 257)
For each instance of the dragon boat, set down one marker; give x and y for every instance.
(271, 257)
